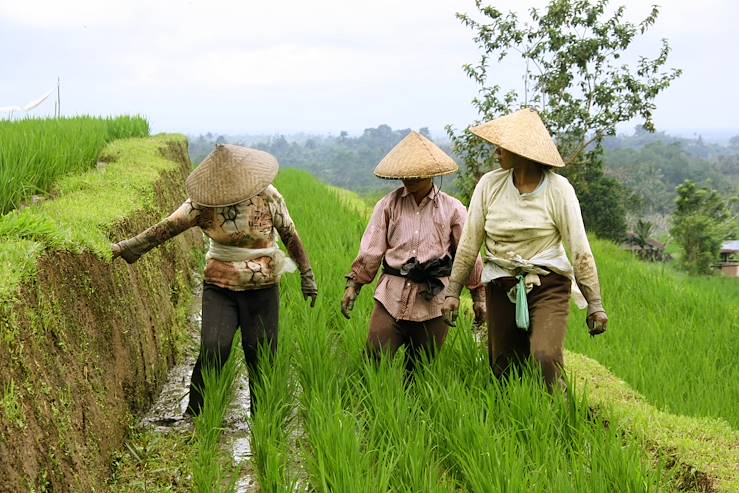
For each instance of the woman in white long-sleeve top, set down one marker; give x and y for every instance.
(526, 214)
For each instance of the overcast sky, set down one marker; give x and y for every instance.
(318, 66)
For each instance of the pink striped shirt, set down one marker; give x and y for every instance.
(401, 229)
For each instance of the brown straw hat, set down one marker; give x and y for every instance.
(231, 174)
(415, 157)
(522, 133)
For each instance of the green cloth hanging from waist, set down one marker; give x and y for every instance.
(522, 305)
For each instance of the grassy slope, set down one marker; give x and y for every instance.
(671, 336)
(88, 204)
(77, 319)
(655, 358)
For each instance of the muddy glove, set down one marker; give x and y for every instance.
(450, 310)
(350, 295)
(308, 286)
(119, 250)
(479, 306)
(597, 323)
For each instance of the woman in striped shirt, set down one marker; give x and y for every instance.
(413, 233)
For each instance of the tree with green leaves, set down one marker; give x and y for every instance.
(574, 78)
(702, 221)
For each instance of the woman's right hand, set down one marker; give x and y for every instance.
(119, 251)
(450, 310)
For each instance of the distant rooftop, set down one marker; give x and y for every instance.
(730, 246)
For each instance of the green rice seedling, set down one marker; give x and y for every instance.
(454, 427)
(396, 428)
(671, 336)
(34, 153)
(211, 468)
(515, 436)
(271, 425)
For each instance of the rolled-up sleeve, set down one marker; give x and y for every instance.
(373, 246)
(467, 259)
(571, 228)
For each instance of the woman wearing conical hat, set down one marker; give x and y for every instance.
(232, 201)
(413, 234)
(525, 213)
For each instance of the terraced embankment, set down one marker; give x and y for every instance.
(85, 342)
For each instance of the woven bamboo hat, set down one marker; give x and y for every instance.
(415, 157)
(231, 174)
(522, 133)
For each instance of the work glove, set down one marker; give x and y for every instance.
(308, 286)
(118, 251)
(597, 323)
(479, 307)
(450, 310)
(480, 310)
(350, 295)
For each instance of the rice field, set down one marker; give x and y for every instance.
(35, 152)
(672, 337)
(331, 421)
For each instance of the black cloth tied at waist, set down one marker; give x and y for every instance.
(428, 273)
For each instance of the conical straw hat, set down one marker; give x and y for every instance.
(231, 174)
(415, 157)
(522, 133)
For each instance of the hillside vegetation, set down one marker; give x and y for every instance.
(34, 153)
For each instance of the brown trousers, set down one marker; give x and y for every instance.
(387, 335)
(509, 346)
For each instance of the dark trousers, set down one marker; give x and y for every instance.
(387, 335)
(256, 312)
(509, 346)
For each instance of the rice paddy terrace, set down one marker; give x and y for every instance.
(87, 343)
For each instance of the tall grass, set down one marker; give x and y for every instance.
(673, 337)
(453, 428)
(35, 152)
(211, 466)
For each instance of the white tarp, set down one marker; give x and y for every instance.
(28, 106)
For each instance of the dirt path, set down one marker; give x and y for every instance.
(166, 414)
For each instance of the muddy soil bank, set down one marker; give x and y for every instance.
(86, 345)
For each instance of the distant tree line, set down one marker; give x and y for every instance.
(653, 165)
(341, 160)
(688, 181)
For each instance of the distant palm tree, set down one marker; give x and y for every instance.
(643, 232)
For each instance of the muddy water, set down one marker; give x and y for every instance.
(166, 414)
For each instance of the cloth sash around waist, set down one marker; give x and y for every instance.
(226, 253)
(428, 273)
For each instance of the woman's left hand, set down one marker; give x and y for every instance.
(308, 286)
(597, 323)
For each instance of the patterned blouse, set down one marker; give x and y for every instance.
(401, 229)
(253, 223)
